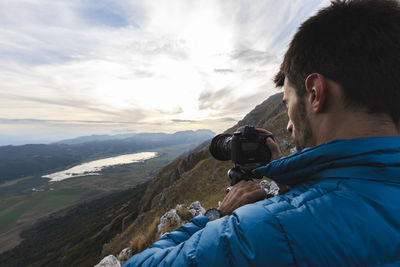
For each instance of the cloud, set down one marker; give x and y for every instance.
(227, 119)
(122, 131)
(160, 65)
(213, 100)
(143, 74)
(254, 56)
(52, 32)
(243, 104)
(223, 119)
(74, 103)
(160, 45)
(183, 121)
(223, 102)
(175, 111)
(224, 71)
(107, 13)
(76, 108)
(60, 122)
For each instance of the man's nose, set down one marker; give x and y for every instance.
(289, 126)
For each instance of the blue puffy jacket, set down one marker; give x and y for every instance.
(343, 210)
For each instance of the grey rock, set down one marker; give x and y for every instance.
(124, 255)
(196, 209)
(162, 199)
(109, 261)
(167, 218)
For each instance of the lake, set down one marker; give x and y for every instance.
(94, 167)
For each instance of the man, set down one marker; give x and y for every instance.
(341, 79)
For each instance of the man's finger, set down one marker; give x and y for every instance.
(274, 148)
(263, 130)
(242, 193)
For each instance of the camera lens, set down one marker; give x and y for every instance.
(220, 147)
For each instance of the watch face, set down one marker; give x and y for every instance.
(212, 214)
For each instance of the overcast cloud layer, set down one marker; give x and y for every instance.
(70, 68)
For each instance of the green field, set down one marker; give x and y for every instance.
(35, 205)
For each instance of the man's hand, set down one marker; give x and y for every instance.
(244, 192)
(272, 145)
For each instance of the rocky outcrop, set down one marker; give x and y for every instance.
(196, 209)
(162, 199)
(170, 217)
(124, 255)
(169, 221)
(112, 261)
(109, 261)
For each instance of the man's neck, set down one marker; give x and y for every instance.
(349, 125)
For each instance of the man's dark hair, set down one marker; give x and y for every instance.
(355, 43)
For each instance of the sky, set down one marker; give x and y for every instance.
(70, 68)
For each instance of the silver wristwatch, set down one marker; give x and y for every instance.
(212, 214)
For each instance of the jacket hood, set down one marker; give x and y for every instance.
(379, 157)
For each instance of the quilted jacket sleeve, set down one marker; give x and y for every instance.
(168, 244)
(248, 237)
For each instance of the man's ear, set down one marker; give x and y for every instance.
(316, 87)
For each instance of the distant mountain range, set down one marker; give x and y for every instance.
(6, 139)
(187, 136)
(92, 138)
(40, 159)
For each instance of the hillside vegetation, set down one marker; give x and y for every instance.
(74, 237)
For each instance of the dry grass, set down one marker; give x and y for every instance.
(171, 226)
(143, 239)
(184, 214)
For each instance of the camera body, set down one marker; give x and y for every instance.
(246, 148)
(249, 149)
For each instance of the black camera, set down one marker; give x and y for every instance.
(246, 148)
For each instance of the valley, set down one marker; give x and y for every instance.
(28, 199)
